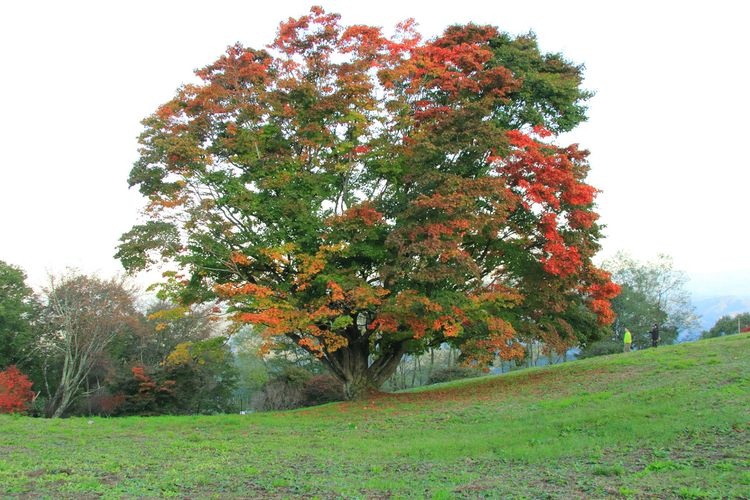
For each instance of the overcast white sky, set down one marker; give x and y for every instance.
(667, 128)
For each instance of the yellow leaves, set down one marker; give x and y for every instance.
(279, 255)
(366, 297)
(165, 316)
(498, 295)
(180, 355)
(228, 290)
(448, 325)
(334, 248)
(410, 299)
(333, 342)
(171, 314)
(309, 267)
(157, 203)
(312, 265)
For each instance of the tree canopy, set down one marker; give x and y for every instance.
(652, 292)
(18, 310)
(367, 196)
(728, 325)
(82, 315)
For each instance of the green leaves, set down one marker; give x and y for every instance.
(341, 323)
(342, 170)
(549, 93)
(18, 311)
(141, 246)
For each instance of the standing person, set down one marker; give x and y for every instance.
(627, 340)
(654, 335)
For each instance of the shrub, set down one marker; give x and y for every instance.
(38, 406)
(197, 377)
(15, 391)
(321, 389)
(101, 402)
(203, 375)
(283, 392)
(278, 394)
(140, 390)
(296, 387)
(452, 373)
(601, 348)
(295, 375)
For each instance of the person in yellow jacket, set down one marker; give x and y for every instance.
(627, 339)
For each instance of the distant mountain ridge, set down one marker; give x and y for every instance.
(710, 309)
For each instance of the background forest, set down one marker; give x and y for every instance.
(88, 346)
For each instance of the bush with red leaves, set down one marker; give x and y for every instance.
(15, 391)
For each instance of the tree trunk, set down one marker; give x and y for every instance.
(358, 385)
(353, 366)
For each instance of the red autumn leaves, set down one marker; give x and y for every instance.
(15, 391)
(343, 175)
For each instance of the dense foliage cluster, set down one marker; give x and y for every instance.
(195, 377)
(84, 346)
(728, 325)
(15, 391)
(296, 387)
(17, 309)
(367, 196)
(651, 293)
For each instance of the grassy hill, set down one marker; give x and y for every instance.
(667, 422)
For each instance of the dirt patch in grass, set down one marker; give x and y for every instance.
(110, 479)
(473, 489)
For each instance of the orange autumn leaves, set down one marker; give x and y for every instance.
(318, 323)
(600, 293)
(324, 325)
(321, 325)
(345, 188)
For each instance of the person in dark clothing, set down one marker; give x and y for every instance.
(654, 335)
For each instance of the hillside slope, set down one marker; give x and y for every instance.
(667, 422)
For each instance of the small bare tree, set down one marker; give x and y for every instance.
(83, 315)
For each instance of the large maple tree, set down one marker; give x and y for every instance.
(366, 196)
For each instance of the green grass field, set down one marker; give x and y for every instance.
(666, 422)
